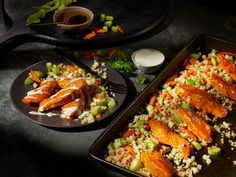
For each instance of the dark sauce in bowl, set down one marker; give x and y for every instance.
(77, 19)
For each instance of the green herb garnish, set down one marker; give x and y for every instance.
(142, 79)
(120, 62)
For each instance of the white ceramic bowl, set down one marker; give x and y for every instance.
(148, 60)
(66, 14)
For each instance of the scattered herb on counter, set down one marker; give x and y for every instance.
(118, 59)
(44, 9)
(120, 62)
(143, 79)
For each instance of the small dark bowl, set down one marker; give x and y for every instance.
(63, 18)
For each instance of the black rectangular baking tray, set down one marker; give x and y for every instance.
(222, 166)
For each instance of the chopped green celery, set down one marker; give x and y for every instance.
(105, 28)
(165, 86)
(103, 102)
(158, 116)
(111, 104)
(143, 79)
(56, 70)
(190, 82)
(214, 61)
(28, 80)
(95, 110)
(151, 145)
(109, 18)
(198, 83)
(213, 150)
(143, 131)
(196, 55)
(227, 78)
(40, 74)
(119, 142)
(178, 119)
(160, 100)
(108, 23)
(197, 145)
(212, 53)
(138, 123)
(66, 73)
(230, 58)
(96, 58)
(186, 106)
(135, 165)
(149, 109)
(110, 146)
(49, 65)
(102, 17)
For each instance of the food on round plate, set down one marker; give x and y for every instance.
(184, 123)
(70, 91)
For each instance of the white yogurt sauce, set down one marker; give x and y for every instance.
(49, 114)
(148, 57)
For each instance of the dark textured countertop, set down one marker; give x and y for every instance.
(31, 150)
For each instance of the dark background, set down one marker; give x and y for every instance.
(31, 150)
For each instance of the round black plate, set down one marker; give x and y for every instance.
(19, 90)
(139, 19)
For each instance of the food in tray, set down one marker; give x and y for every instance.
(69, 90)
(184, 123)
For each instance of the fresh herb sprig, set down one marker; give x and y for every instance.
(120, 62)
(143, 79)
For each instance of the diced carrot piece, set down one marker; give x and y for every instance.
(111, 52)
(172, 83)
(152, 100)
(98, 116)
(35, 76)
(98, 82)
(228, 53)
(90, 35)
(192, 61)
(72, 67)
(128, 133)
(130, 149)
(172, 78)
(120, 29)
(207, 69)
(168, 95)
(89, 55)
(192, 72)
(157, 108)
(203, 81)
(99, 30)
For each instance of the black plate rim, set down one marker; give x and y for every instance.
(16, 37)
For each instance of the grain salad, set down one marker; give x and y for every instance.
(184, 118)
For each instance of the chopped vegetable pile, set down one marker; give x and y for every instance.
(108, 24)
(118, 59)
